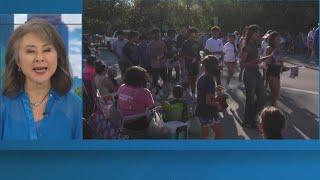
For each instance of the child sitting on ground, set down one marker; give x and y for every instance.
(272, 123)
(176, 109)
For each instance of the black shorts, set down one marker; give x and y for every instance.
(273, 71)
(138, 124)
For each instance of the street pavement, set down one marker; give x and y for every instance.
(298, 100)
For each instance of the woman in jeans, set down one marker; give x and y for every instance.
(252, 77)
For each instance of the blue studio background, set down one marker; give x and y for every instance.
(142, 160)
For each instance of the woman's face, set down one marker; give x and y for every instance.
(37, 59)
(256, 36)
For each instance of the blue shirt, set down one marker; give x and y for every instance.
(62, 118)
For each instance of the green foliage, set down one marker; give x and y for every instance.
(106, 16)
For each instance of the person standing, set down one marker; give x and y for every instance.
(156, 50)
(143, 46)
(214, 46)
(241, 44)
(131, 55)
(207, 109)
(310, 39)
(191, 53)
(316, 45)
(230, 50)
(119, 44)
(252, 77)
(171, 55)
(181, 38)
(263, 51)
(274, 67)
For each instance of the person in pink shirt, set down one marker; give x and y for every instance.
(135, 98)
(89, 91)
(89, 71)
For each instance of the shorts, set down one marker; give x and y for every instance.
(210, 121)
(230, 65)
(273, 71)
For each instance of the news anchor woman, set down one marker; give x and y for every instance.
(36, 102)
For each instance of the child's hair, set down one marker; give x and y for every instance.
(177, 91)
(100, 67)
(112, 72)
(272, 122)
(211, 64)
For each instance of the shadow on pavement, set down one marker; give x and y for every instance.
(301, 123)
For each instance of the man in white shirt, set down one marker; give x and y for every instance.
(230, 51)
(118, 45)
(214, 46)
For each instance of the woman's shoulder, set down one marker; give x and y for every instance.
(4, 98)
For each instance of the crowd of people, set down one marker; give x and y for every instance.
(191, 69)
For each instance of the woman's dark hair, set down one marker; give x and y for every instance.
(100, 67)
(251, 30)
(91, 60)
(244, 31)
(61, 80)
(137, 77)
(211, 64)
(272, 38)
(272, 122)
(133, 34)
(177, 91)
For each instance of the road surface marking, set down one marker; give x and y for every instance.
(301, 133)
(301, 90)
